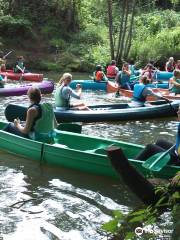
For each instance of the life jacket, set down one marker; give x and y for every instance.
(177, 148)
(20, 64)
(132, 69)
(176, 89)
(1, 78)
(111, 71)
(123, 78)
(99, 76)
(3, 68)
(170, 66)
(43, 126)
(178, 67)
(60, 101)
(138, 90)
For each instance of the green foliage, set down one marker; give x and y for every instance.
(166, 43)
(124, 226)
(156, 37)
(10, 26)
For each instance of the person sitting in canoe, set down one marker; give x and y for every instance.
(99, 75)
(132, 67)
(123, 78)
(19, 65)
(170, 65)
(141, 91)
(64, 93)
(112, 70)
(2, 64)
(177, 67)
(161, 146)
(40, 119)
(2, 81)
(174, 83)
(149, 72)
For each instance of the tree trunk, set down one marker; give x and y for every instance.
(129, 38)
(110, 28)
(120, 30)
(124, 31)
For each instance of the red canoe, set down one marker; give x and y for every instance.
(34, 77)
(165, 93)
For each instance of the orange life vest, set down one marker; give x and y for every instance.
(99, 76)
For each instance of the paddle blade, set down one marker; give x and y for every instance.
(156, 162)
(70, 127)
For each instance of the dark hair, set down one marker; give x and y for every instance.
(113, 62)
(176, 73)
(145, 80)
(34, 94)
(98, 68)
(20, 58)
(131, 61)
(149, 65)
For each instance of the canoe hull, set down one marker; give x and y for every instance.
(108, 86)
(102, 113)
(79, 152)
(34, 77)
(45, 87)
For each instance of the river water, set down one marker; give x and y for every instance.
(65, 204)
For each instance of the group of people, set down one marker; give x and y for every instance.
(19, 67)
(40, 119)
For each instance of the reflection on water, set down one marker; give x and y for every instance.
(61, 203)
(74, 202)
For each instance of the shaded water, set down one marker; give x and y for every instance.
(66, 204)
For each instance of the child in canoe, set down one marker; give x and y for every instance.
(112, 70)
(141, 91)
(19, 65)
(177, 65)
(40, 120)
(170, 65)
(2, 65)
(149, 72)
(64, 93)
(99, 75)
(174, 82)
(2, 81)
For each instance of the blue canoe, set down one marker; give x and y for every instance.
(107, 86)
(103, 112)
(159, 75)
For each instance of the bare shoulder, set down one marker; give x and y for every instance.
(32, 111)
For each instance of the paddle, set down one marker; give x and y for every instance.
(7, 54)
(158, 160)
(21, 77)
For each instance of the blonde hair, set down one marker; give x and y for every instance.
(64, 77)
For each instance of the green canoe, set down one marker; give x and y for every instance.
(77, 151)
